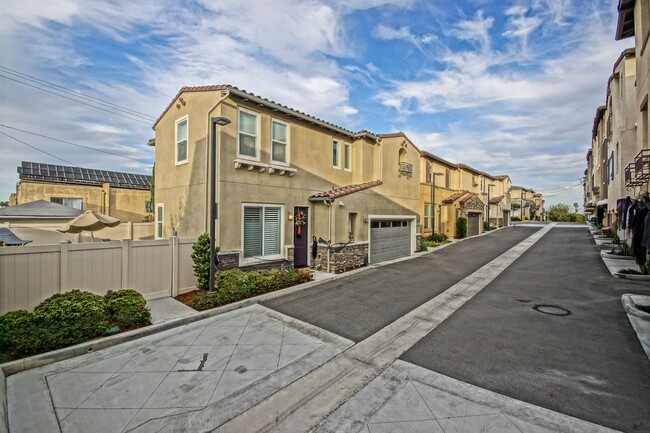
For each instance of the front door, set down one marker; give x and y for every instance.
(300, 237)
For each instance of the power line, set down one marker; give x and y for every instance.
(75, 144)
(36, 148)
(75, 100)
(75, 93)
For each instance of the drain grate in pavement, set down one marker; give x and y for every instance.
(553, 310)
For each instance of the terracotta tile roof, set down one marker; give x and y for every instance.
(495, 200)
(234, 91)
(344, 190)
(461, 196)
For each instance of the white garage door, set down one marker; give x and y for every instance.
(389, 240)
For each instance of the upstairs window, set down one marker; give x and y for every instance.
(76, 203)
(336, 157)
(347, 157)
(181, 141)
(248, 137)
(279, 142)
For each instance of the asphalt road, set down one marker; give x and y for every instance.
(359, 305)
(588, 364)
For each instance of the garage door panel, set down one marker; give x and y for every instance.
(473, 224)
(390, 240)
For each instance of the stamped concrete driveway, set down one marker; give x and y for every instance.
(359, 305)
(588, 364)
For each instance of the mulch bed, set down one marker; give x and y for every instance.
(188, 298)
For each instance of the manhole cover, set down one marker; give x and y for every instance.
(553, 310)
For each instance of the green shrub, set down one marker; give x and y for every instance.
(423, 245)
(127, 308)
(235, 285)
(440, 238)
(461, 227)
(18, 331)
(70, 318)
(645, 268)
(625, 249)
(515, 218)
(201, 259)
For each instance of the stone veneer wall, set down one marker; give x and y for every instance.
(342, 259)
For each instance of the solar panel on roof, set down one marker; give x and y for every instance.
(33, 170)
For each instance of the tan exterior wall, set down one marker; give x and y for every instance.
(241, 180)
(125, 204)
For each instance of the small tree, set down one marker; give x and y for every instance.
(575, 206)
(559, 213)
(201, 259)
(461, 227)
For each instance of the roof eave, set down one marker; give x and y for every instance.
(625, 22)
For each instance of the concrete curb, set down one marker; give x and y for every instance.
(640, 320)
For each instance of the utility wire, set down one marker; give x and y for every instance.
(75, 144)
(75, 93)
(75, 100)
(36, 148)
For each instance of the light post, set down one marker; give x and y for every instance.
(433, 197)
(214, 122)
(488, 205)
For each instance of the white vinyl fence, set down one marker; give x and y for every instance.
(156, 268)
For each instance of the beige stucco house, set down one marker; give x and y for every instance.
(125, 196)
(289, 186)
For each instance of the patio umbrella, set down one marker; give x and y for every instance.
(91, 221)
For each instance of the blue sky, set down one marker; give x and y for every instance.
(508, 87)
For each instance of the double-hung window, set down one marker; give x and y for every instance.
(181, 141)
(262, 230)
(347, 157)
(248, 134)
(279, 142)
(336, 154)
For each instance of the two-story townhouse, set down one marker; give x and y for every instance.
(599, 158)
(539, 206)
(439, 181)
(499, 200)
(524, 204)
(621, 134)
(288, 186)
(588, 186)
(634, 21)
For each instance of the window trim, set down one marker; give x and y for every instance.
(186, 119)
(287, 150)
(338, 153)
(347, 156)
(161, 222)
(282, 228)
(257, 134)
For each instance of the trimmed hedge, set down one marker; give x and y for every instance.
(74, 317)
(70, 318)
(461, 227)
(235, 285)
(127, 308)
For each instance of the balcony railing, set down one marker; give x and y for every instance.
(405, 169)
(642, 165)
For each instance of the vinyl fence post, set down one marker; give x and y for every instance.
(126, 259)
(64, 261)
(173, 242)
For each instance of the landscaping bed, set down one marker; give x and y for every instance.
(235, 285)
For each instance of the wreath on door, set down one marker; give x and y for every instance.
(299, 219)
